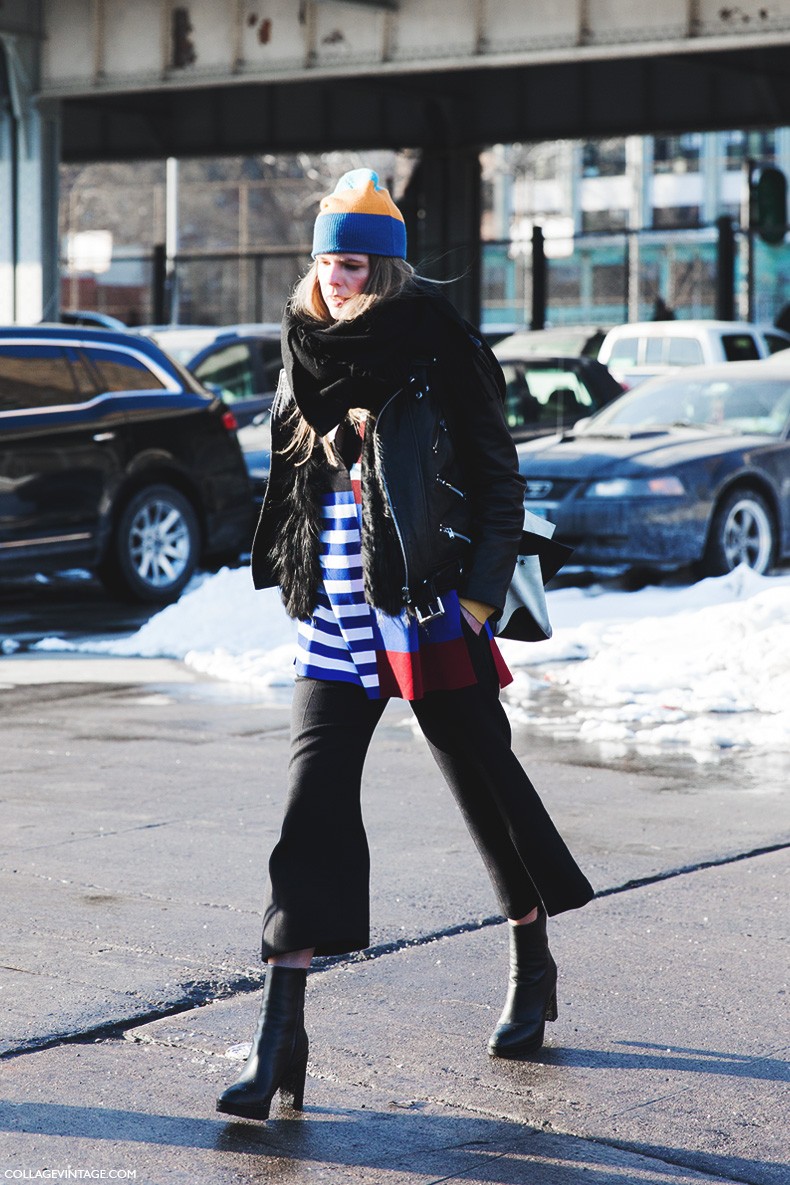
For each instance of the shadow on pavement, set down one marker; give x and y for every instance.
(383, 1140)
(666, 1058)
(70, 606)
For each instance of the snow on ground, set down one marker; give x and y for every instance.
(700, 667)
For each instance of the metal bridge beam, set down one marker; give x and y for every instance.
(98, 46)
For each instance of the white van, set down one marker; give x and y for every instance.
(647, 348)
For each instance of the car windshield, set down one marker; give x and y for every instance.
(755, 406)
(543, 396)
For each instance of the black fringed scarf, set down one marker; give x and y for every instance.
(357, 363)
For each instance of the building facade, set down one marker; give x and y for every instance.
(629, 226)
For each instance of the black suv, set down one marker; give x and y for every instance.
(113, 458)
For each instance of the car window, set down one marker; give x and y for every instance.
(755, 406)
(118, 371)
(83, 375)
(654, 350)
(271, 359)
(543, 397)
(776, 343)
(35, 376)
(230, 370)
(625, 351)
(739, 347)
(684, 351)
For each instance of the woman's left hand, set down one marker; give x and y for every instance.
(478, 609)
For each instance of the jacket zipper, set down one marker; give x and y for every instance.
(452, 534)
(426, 515)
(406, 592)
(449, 486)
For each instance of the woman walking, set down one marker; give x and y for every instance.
(391, 523)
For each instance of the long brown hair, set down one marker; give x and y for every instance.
(388, 277)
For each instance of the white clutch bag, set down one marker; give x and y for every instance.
(525, 617)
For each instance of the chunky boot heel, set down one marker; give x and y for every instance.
(292, 1085)
(278, 1056)
(532, 992)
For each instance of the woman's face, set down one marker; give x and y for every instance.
(340, 277)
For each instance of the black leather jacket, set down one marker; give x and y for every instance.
(443, 459)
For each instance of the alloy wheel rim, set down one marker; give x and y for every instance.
(747, 536)
(159, 544)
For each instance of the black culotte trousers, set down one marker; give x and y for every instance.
(317, 894)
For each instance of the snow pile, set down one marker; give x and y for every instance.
(220, 626)
(703, 667)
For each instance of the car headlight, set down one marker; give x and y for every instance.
(636, 487)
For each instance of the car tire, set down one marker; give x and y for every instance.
(154, 548)
(742, 531)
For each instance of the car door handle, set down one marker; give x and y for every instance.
(100, 436)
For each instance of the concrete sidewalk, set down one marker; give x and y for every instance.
(137, 815)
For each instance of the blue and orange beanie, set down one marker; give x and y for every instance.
(359, 216)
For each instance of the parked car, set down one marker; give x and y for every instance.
(241, 365)
(645, 349)
(562, 340)
(545, 395)
(90, 317)
(112, 458)
(181, 342)
(691, 468)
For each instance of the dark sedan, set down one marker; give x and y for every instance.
(112, 458)
(691, 468)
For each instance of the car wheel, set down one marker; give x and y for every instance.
(155, 546)
(742, 532)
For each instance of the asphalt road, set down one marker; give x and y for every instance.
(66, 606)
(139, 801)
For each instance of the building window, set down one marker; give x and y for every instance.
(599, 220)
(676, 217)
(603, 158)
(741, 146)
(677, 154)
(545, 161)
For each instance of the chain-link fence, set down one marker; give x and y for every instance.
(124, 290)
(601, 279)
(771, 284)
(227, 289)
(608, 279)
(200, 289)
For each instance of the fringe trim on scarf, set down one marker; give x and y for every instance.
(295, 552)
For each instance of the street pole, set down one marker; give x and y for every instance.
(746, 286)
(725, 269)
(171, 238)
(538, 279)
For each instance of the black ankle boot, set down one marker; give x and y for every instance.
(532, 992)
(278, 1057)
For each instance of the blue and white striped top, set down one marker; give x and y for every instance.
(349, 640)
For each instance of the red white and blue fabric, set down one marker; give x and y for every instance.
(348, 640)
